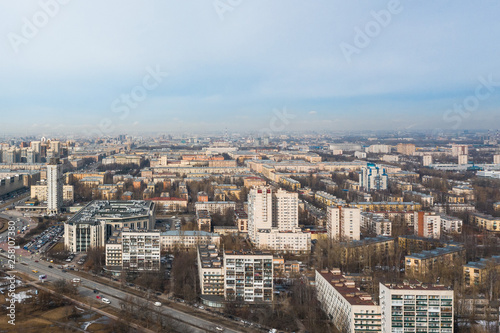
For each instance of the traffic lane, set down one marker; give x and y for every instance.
(113, 292)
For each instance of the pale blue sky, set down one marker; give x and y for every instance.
(233, 69)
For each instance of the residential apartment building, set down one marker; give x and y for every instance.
(373, 178)
(179, 239)
(40, 192)
(248, 276)
(211, 272)
(376, 223)
(421, 264)
(133, 250)
(476, 272)
(427, 225)
(328, 199)
(451, 224)
(416, 307)
(343, 223)
(273, 221)
(55, 182)
(395, 206)
(350, 309)
(220, 207)
(486, 222)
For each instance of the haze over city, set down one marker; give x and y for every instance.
(231, 65)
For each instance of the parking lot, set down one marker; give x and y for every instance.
(45, 240)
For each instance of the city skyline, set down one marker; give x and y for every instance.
(329, 65)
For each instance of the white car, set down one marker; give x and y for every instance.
(105, 300)
(157, 304)
(218, 328)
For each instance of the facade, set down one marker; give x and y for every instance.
(427, 225)
(421, 264)
(328, 199)
(54, 187)
(248, 276)
(476, 272)
(133, 250)
(212, 207)
(426, 160)
(346, 306)
(373, 178)
(457, 150)
(204, 220)
(394, 206)
(451, 224)
(376, 223)
(211, 272)
(486, 222)
(40, 192)
(343, 223)
(179, 239)
(415, 307)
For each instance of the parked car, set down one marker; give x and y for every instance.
(157, 304)
(105, 300)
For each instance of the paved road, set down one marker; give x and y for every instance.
(113, 294)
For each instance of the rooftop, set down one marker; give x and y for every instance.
(347, 288)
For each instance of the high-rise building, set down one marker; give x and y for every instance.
(343, 223)
(36, 146)
(373, 178)
(273, 220)
(457, 150)
(55, 184)
(463, 159)
(285, 210)
(427, 225)
(415, 307)
(496, 159)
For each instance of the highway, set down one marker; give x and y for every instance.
(86, 287)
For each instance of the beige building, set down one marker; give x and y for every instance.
(343, 223)
(40, 192)
(421, 264)
(179, 239)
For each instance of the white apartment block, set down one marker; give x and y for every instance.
(343, 223)
(212, 207)
(373, 178)
(178, 239)
(133, 250)
(378, 149)
(451, 224)
(285, 210)
(248, 276)
(348, 308)
(463, 159)
(210, 271)
(416, 308)
(376, 223)
(260, 210)
(55, 179)
(457, 150)
(426, 160)
(427, 225)
(273, 221)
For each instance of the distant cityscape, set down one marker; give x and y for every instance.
(342, 233)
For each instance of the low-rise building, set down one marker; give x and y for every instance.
(476, 272)
(486, 222)
(179, 239)
(421, 264)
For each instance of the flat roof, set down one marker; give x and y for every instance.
(347, 288)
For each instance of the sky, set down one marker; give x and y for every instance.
(111, 67)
